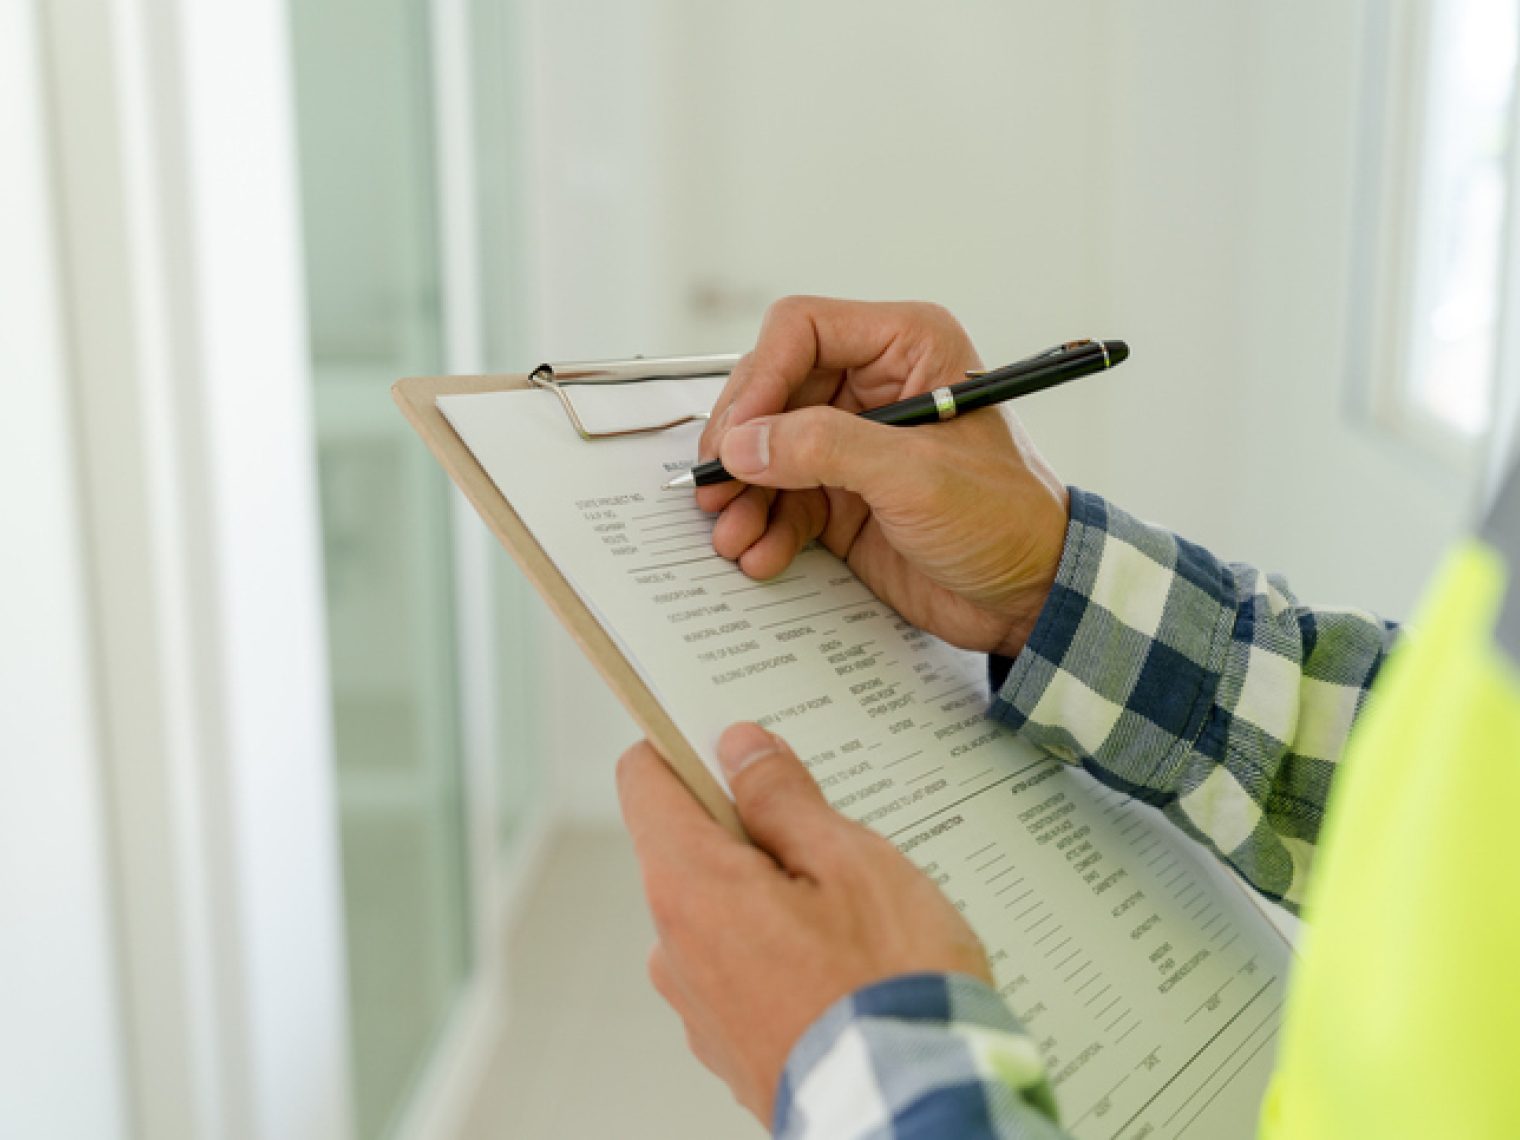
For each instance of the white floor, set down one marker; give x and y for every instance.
(590, 1050)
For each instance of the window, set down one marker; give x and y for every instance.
(1444, 198)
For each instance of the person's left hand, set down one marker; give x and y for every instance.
(755, 942)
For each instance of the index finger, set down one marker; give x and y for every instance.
(802, 340)
(798, 336)
(665, 821)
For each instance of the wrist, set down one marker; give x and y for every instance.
(1022, 623)
(1023, 610)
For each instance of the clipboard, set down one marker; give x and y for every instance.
(417, 398)
(1080, 908)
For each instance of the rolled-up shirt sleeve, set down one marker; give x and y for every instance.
(919, 1056)
(1200, 686)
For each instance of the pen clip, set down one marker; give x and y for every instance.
(1039, 357)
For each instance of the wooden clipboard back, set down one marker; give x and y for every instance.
(418, 399)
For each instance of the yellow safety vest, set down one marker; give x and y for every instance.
(1404, 1014)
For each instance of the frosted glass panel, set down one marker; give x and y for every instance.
(364, 113)
(500, 165)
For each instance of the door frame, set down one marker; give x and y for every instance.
(183, 316)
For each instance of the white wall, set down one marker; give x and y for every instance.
(881, 151)
(1233, 187)
(1180, 173)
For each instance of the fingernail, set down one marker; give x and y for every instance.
(739, 748)
(747, 448)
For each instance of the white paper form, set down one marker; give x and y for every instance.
(1152, 984)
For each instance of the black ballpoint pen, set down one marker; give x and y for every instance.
(980, 389)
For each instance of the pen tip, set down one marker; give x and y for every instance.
(682, 480)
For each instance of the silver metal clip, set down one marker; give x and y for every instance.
(554, 377)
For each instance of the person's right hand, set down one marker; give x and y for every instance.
(958, 526)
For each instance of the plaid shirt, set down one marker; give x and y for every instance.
(1196, 685)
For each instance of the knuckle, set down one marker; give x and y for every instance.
(763, 795)
(874, 848)
(946, 321)
(933, 313)
(657, 965)
(834, 849)
(812, 444)
(946, 342)
(667, 906)
(854, 853)
(768, 794)
(786, 308)
(697, 1046)
(741, 865)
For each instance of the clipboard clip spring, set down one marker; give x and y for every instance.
(554, 378)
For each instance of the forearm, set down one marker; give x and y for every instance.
(919, 1056)
(1200, 686)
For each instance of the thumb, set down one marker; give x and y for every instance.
(817, 447)
(778, 801)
